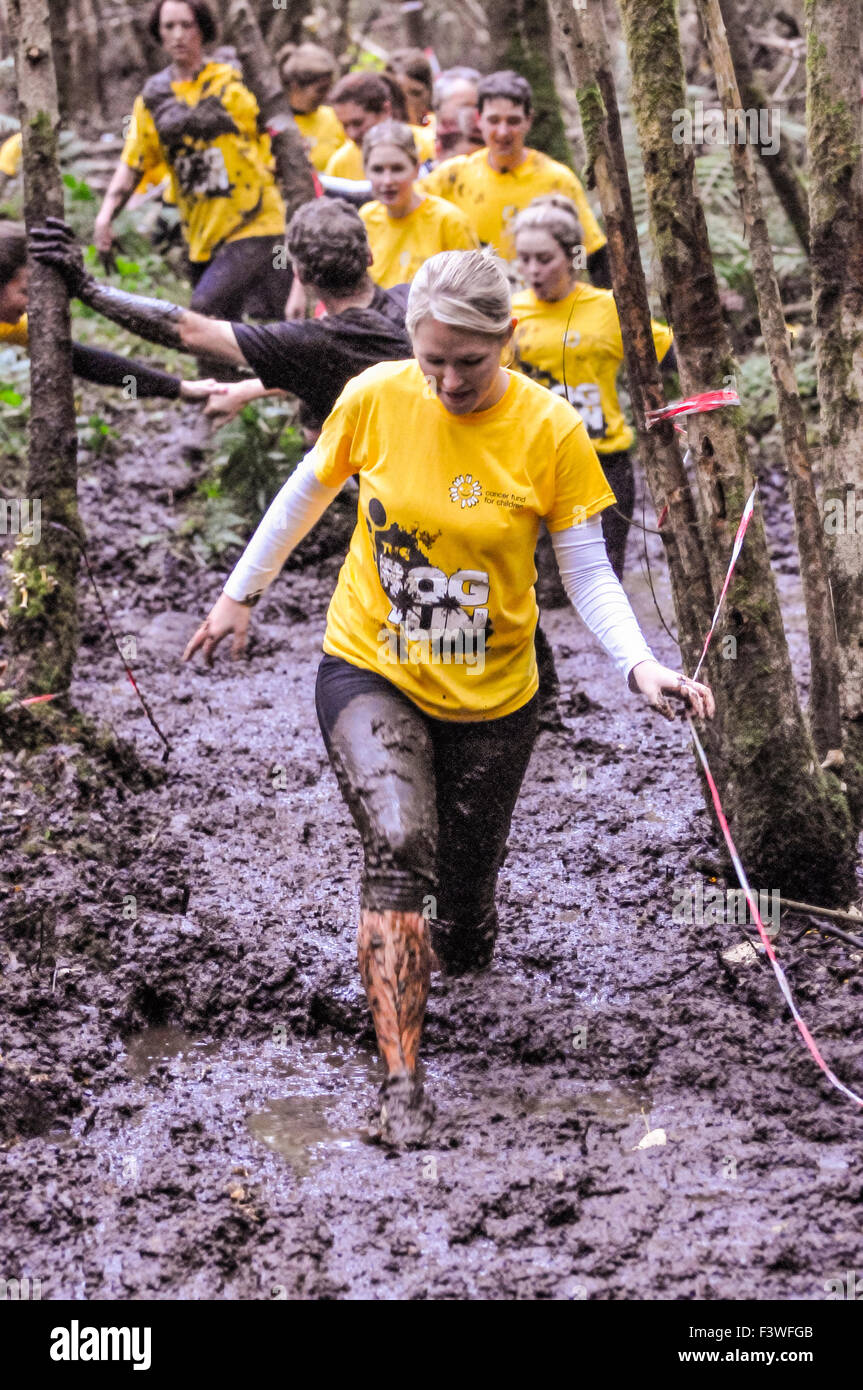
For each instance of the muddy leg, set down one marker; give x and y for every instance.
(394, 957)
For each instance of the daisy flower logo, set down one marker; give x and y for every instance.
(465, 489)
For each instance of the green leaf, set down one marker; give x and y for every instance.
(10, 397)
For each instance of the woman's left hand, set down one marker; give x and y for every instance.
(659, 682)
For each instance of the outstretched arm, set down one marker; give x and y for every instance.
(123, 183)
(157, 320)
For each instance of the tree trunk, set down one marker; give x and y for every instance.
(790, 819)
(778, 163)
(521, 39)
(835, 135)
(43, 627)
(586, 50)
(293, 170)
(823, 648)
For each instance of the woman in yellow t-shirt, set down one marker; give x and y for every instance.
(199, 119)
(405, 226)
(362, 100)
(568, 338)
(307, 72)
(426, 693)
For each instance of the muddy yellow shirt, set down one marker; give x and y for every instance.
(441, 560)
(593, 355)
(401, 244)
(323, 133)
(10, 155)
(14, 334)
(221, 164)
(491, 200)
(347, 163)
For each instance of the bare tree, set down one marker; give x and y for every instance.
(43, 627)
(835, 138)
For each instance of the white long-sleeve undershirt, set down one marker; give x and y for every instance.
(585, 571)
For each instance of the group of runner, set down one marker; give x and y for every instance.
(468, 417)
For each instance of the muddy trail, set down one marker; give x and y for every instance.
(188, 1071)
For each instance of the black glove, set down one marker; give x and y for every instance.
(55, 245)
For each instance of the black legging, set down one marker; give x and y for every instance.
(245, 276)
(432, 799)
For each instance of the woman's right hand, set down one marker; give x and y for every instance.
(226, 616)
(227, 402)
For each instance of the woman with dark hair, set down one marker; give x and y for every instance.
(413, 72)
(308, 71)
(427, 691)
(313, 359)
(362, 100)
(93, 364)
(199, 119)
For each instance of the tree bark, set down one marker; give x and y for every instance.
(521, 39)
(587, 55)
(43, 630)
(823, 648)
(778, 164)
(790, 819)
(835, 136)
(293, 170)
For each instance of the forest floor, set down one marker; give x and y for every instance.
(188, 1070)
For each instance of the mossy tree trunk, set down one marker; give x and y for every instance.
(43, 617)
(823, 646)
(790, 819)
(835, 136)
(521, 39)
(778, 163)
(293, 171)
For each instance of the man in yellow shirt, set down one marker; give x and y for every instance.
(495, 183)
(362, 100)
(199, 119)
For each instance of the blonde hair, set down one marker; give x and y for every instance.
(466, 289)
(391, 133)
(555, 214)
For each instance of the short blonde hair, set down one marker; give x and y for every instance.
(391, 133)
(466, 289)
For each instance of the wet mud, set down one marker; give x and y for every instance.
(188, 1069)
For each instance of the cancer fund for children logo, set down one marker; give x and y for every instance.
(465, 489)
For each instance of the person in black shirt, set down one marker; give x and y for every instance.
(329, 249)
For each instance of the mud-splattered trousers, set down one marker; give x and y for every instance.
(432, 799)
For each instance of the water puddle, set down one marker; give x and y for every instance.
(296, 1128)
(153, 1045)
(611, 1102)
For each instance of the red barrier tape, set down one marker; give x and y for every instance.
(732, 848)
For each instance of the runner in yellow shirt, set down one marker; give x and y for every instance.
(568, 338)
(426, 694)
(495, 183)
(199, 119)
(10, 155)
(405, 227)
(308, 71)
(362, 100)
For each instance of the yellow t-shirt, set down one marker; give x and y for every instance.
(594, 352)
(347, 163)
(223, 186)
(400, 245)
(491, 200)
(323, 133)
(15, 334)
(10, 155)
(447, 523)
